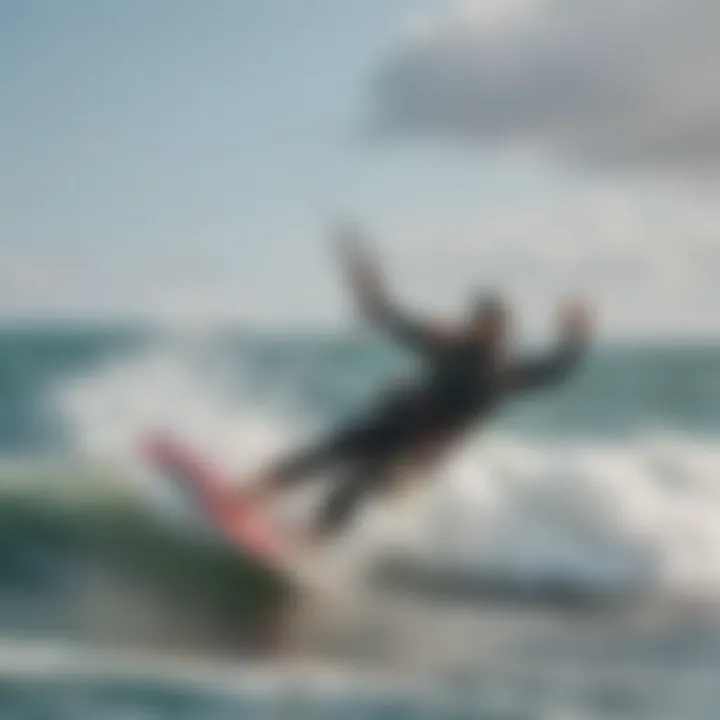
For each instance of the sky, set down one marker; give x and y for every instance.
(188, 159)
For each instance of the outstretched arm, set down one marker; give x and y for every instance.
(560, 363)
(370, 291)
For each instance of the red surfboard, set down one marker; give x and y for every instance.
(242, 524)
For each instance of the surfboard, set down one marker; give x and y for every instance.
(208, 488)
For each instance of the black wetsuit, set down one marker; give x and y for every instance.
(461, 385)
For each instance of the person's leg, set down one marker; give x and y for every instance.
(375, 436)
(344, 499)
(290, 470)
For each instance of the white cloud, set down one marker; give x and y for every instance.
(96, 285)
(652, 266)
(619, 84)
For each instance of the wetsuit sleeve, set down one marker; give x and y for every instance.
(371, 294)
(405, 329)
(537, 373)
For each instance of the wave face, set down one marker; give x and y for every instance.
(85, 556)
(609, 485)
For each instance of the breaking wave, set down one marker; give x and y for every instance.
(614, 514)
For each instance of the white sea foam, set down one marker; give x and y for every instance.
(642, 511)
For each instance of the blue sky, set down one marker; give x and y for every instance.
(196, 132)
(187, 157)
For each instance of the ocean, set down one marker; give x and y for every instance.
(565, 563)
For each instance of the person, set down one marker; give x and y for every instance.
(467, 374)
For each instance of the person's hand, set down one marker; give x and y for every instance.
(575, 319)
(362, 273)
(349, 244)
(347, 238)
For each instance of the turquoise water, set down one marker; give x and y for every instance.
(621, 389)
(608, 488)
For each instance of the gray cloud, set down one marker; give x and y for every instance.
(611, 83)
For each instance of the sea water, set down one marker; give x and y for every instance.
(564, 563)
